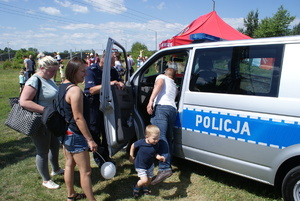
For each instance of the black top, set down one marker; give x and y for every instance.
(67, 110)
(94, 77)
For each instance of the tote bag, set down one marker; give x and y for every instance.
(24, 121)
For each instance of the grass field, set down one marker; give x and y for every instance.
(20, 179)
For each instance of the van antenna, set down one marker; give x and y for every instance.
(213, 5)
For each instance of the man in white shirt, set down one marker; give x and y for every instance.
(163, 111)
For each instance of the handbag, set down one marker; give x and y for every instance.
(13, 101)
(24, 121)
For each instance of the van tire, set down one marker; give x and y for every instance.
(291, 185)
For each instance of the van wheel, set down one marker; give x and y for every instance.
(291, 185)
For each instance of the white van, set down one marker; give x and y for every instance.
(238, 107)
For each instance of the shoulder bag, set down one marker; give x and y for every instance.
(24, 121)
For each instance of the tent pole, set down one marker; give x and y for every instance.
(213, 5)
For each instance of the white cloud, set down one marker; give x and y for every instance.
(51, 11)
(74, 7)
(7, 28)
(48, 29)
(161, 6)
(235, 22)
(113, 7)
(79, 26)
(80, 9)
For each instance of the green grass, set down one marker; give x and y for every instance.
(20, 179)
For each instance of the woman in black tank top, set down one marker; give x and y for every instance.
(78, 139)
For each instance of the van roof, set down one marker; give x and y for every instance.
(256, 41)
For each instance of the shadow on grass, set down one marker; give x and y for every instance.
(121, 186)
(228, 179)
(16, 150)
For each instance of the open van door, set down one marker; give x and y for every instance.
(116, 104)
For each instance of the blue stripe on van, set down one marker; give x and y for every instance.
(266, 132)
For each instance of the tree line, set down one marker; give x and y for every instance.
(277, 25)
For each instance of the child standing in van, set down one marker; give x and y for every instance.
(21, 80)
(148, 150)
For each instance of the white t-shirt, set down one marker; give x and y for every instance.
(168, 93)
(58, 58)
(118, 65)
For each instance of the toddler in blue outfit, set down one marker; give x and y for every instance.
(147, 151)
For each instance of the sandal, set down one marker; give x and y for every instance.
(146, 190)
(136, 191)
(78, 196)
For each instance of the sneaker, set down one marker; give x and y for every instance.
(50, 184)
(61, 171)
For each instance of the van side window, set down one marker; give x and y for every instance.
(251, 70)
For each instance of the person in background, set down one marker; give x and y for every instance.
(62, 72)
(78, 140)
(162, 109)
(139, 61)
(40, 55)
(21, 80)
(130, 63)
(88, 61)
(148, 151)
(58, 58)
(97, 59)
(118, 65)
(27, 67)
(47, 145)
(92, 59)
(32, 69)
(93, 85)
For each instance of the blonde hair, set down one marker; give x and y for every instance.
(40, 55)
(152, 129)
(47, 62)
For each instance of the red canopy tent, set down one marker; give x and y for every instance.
(210, 24)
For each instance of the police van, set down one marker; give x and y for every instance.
(238, 106)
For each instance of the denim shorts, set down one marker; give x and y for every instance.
(143, 172)
(75, 143)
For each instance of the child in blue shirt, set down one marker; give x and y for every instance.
(148, 150)
(21, 80)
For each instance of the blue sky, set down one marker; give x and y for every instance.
(57, 25)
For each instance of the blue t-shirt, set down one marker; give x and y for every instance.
(21, 79)
(146, 154)
(48, 91)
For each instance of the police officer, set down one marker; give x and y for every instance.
(93, 85)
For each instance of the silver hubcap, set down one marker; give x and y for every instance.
(296, 191)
